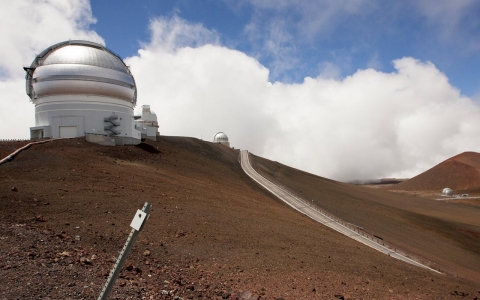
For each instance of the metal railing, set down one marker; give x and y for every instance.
(13, 140)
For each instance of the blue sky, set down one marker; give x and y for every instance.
(346, 89)
(305, 39)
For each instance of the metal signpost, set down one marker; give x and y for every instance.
(137, 224)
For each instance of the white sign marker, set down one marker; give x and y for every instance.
(138, 220)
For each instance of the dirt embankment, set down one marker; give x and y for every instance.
(66, 206)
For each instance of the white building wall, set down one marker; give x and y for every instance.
(87, 113)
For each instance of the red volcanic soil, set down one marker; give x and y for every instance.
(66, 206)
(460, 173)
(7, 148)
(446, 235)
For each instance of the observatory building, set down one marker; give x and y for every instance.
(81, 88)
(221, 138)
(147, 122)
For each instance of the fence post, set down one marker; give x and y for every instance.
(137, 224)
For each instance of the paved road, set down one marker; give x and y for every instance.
(318, 216)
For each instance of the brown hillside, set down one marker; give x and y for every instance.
(446, 234)
(66, 206)
(460, 173)
(7, 148)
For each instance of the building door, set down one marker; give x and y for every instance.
(68, 131)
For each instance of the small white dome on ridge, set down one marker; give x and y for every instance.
(220, 137)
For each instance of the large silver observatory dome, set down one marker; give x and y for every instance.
(81, 88)
(79, 68)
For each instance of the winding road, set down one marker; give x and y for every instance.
(301, 206)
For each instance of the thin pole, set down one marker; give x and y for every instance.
(122, 257)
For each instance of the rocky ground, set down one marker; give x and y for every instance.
(66, 206)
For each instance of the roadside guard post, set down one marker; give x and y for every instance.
(137, 224)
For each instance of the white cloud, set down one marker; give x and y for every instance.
(16, 111)
(274, 43)
(281, 47)
(169, 34)
(314, 17)
(212, 88)
(446, 12)
(280, 28)
(456, 22)
(329, 70)
(374, 62)
(368, 125)
(318, 17)
(200, 91)
(476, 97)
(374, 124)
(27, 28)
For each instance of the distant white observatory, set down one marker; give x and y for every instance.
(147, 122)
(81, 88)
(447, 192)
(221, 138)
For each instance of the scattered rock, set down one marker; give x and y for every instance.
(66, 254)
(247, 296)
(129, 267)
(457, 293)
(40, 218)
(146, 253)
(226, 295)
(14, 189)
(86, 261)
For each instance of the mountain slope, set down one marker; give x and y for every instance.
(445, 233)
(460, 173)
(212, 231)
